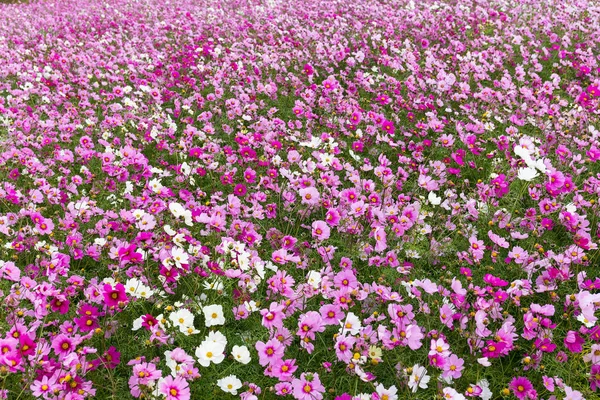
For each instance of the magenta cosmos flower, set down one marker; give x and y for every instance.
(520, 387)
(114, 295)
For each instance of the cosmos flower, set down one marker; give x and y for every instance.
(210, 353)
(418, 378)
(213, 315)
(241, 354)
(230, 384)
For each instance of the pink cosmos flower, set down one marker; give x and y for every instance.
(283, 388)
(112, 358)
(500, 185)
(439, 346)
(414, 336)
(571, 394)
(345, 279)
(494, 281)
(270, 352)
(45, 227)
(44, 387)
(594, 377)
(88, 320)
(518, 254)
(10, 271)
(545, 345)
(308, 387)
(493, 349)
(476, 247)
(309, 195)
(284, 369)
(309, 324)
(453, 367)
(344, 347)
(27, 345)
(556, 180)
(331, 314)
(175, 388)
(499, 240)
(273, 317)
(129, 254)
(320, 230)
(144, 373)
(62, 344)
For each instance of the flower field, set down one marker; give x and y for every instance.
(346, 200)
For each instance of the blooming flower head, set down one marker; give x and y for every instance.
(230, 384)
(453, 367)
(174, 388)
(388, 127)
(521, 387)
(320, 230)
(241, 354)
(114, 296)
(213, 315)
(269, 352)
(308, 387)
(452, 394)
(386, 394)
(418, 378)
(182, 319)
(43, 387)
(210, 353)
(63, 344)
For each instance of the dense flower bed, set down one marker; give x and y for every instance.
(299, 199)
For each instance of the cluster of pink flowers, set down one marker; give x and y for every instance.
(311, 200)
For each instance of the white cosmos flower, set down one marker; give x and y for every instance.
(241, 354)
(137, 289)
(434, 199)
(172, 364)
(179, 256)
(486, 393)
(390, 394)
(169, 230)
(155, 185)
(314, 279)
(418, 378)
(230, 384)
(523, 153)
(213, 315)
(176, 209)
(137, 323)
(350, 325)
(251, 306)
(217, 338)
(484, 361)
(182, 319)
(527, 174)
(179, 211)
(214, 285)
(209, 352)
(540, 165)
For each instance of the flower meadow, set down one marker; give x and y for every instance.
(307, 200)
